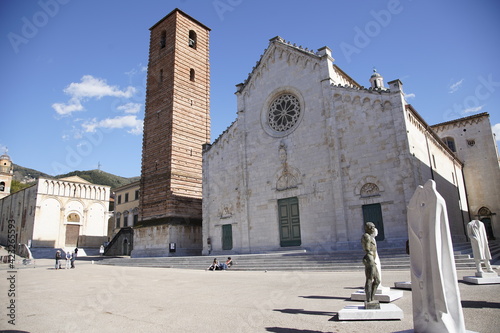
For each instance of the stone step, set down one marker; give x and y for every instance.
(341, 261)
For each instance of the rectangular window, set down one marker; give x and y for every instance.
(126, 197)
(136, 194)
(136, 219)
(117, 222)
(119, 199)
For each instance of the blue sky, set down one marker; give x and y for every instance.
(73, 71)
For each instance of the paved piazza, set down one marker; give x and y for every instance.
(98, 298)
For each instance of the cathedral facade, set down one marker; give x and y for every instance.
(56, 213)
(313, 155)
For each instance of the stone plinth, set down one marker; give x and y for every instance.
(383, 295)
(403, 285)
(483, 278)
(358, 312)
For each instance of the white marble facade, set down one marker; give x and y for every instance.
(339, 151)
(58, 213)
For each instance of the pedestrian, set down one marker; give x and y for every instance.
(58, 259)
(73, 257)
(101, 250)
(68, 259)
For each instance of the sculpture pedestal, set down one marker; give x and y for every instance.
(403, 285)
(383, 295)
(483, 278)
(358, 312)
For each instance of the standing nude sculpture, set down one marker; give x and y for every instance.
(369, 260)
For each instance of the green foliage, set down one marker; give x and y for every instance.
(17, 186)
(26, 177)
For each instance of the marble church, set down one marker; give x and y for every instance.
(313, 155)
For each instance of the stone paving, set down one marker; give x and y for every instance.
(99, 298)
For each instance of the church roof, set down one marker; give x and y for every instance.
(275, 41)
(464, 119)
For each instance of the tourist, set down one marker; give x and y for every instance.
(214, 266)
(73, 257)
(227, 264)
(58, 259)
(68, 259)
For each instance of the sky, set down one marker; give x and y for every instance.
(73, 72)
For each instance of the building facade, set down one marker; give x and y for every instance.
(176, 125)
(126, 215)
(57, 213)
(313, 155)
(472, 141)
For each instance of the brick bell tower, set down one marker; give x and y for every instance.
(176, 125)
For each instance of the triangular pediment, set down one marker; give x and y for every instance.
(75, 179)
(279, 49)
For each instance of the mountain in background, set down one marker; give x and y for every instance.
(29, 176)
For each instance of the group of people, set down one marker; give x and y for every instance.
(70, 259)
(220, 266)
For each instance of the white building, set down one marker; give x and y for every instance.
(57, 213)
(313, 155)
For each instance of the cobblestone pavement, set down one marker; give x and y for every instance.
(99, 298)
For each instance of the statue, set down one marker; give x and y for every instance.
(435, 293)
(369, 260)
(479, 243)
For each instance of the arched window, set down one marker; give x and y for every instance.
(163, 39)
(2, 186)
(191, 74)
(192, 39)
(450, 142)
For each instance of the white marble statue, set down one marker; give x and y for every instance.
(435, 293)
(479, 243)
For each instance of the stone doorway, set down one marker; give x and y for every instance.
(72, 230)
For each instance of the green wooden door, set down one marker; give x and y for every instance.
(373, 213)
(227, 237)
(289, 222)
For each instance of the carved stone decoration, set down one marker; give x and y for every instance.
(226, 211)
(288, 177)
(369, 190)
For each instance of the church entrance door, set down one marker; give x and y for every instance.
(72, 232)
(373, 213)
(289, 222)
(227, 237)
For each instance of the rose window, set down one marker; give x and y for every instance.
(284, 113)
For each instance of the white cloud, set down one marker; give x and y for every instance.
(496, 130)
(455, 86)
(130, 108)
(65, 109)
(412, 95)
(474, 109)
(89, 87)
(131, 122)
(92, 87)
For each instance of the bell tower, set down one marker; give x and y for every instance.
(6, 173)
(176, 125)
